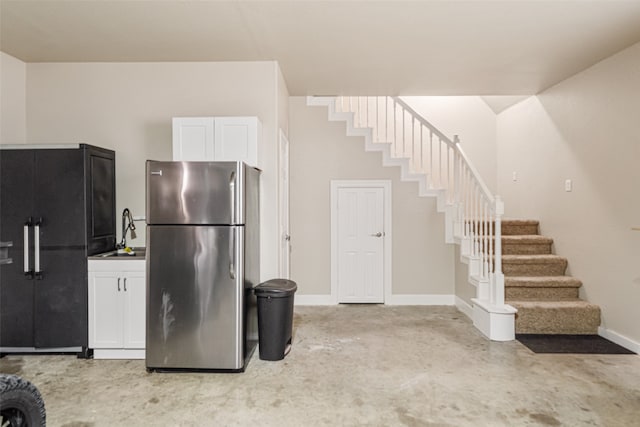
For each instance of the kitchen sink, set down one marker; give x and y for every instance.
(138, 253)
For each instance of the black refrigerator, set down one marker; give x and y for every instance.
(57, 207)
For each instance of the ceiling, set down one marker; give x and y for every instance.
(427, 47)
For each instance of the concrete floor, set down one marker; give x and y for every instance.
(349, 366)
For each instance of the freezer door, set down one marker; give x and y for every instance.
(199, 193)
(195, 298)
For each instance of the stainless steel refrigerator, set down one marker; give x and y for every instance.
(202, 262)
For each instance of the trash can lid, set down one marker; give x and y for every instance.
(276, 288)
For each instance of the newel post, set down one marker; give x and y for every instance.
(498, 288)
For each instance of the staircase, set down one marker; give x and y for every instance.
(535, 287)
(535, 284)
(442, 170)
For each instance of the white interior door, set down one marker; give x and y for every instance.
(360, 233)
(283, 192)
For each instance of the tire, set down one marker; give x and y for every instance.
(21, 404)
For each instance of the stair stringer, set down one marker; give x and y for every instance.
(388, 160)
(497, 322)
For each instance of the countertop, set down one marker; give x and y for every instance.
(139, 254)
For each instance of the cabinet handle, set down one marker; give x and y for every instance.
(125, 284)
(36, 244)
(118, 284)
(27, 268)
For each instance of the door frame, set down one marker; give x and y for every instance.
(284, 221)
(386, 187)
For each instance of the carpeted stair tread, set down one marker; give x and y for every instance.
(572, 316)
(540, 294)
(533, 265)
(542, 288)
(512, 227)
(572, 303)
(532, 259)
(516, 221)
(543, 282)
(527, 239)
(532, 244)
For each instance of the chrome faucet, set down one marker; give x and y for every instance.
(127, 224)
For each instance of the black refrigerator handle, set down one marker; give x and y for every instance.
(27, 267)
(36, 248)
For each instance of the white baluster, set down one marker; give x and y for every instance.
(499, 285)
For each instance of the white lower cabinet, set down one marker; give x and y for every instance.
(117, 309)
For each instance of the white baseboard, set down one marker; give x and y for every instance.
(420, 300)
(464, 307)
(119, 353)
(392, 300)
(625, 342)
(314, 300)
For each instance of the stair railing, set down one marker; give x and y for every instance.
(476, 213)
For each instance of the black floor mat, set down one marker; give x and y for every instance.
(578, 344)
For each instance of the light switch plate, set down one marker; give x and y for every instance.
(568, 185)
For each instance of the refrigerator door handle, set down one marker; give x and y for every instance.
(232, 257)
(36, 250)
(232, 190)
(27, 270)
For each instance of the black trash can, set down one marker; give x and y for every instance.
(275, 317)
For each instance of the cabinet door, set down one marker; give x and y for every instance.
(105, 310)
(60, 298)
(60, 313)
(193, 138)
(134, 310)
(16, 289)
(59, 198)
(236, 139)
(101, 209)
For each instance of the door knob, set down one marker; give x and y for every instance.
(378, 234)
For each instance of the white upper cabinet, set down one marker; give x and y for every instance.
(193, 138)
(216, 139)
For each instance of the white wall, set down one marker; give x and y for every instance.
(128, 107)
(472, 120)
(13, 74)
(283, 102)
(586, 129)
(464, 289)
(320, 152)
